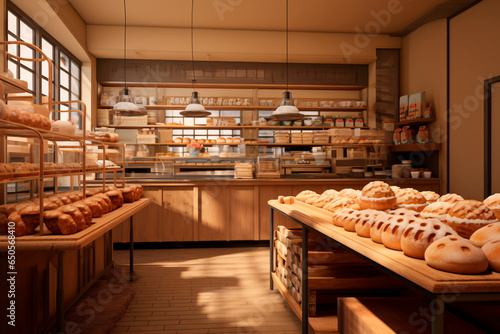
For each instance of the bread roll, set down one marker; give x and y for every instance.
(304, 195)
(94, 206)
(340, 216)
(493, 202)
(178, 140)
(430, 196)
(186, 140)
(116, 198)
(393, 230)
(450, 198)
(457, 255)
(77, 216)
(410, 199)
(350, 193)
(311, 199)
(486, 234)
(492, 252)
(340, 203)
(403, 212)
(128, 194)
(289, 200)
(330, 192)
(322, 200)
(364, 225)
(465, 217)
(360, 215)
(221, 140)
(377, 195)
(86, 212)
(421, 234)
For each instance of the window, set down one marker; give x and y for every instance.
(66, 76)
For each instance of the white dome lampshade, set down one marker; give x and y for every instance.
(286, 105)
(125, 103)
(195, 108)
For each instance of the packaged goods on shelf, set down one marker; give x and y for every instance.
(243, 170)
(281, 137)
(417, 105)
(403, 107)
(321, 137)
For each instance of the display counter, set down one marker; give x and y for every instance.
(227, 209)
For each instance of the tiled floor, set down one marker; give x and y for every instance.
(204, 290)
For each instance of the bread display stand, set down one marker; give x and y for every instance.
(437, 286)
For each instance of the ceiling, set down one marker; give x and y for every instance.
(337, 16)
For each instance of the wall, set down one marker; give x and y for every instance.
(423, 68)
(474, 51)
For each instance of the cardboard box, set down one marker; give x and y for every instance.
(403, 107)
(416, 105)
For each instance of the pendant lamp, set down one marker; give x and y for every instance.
(286, 109)
(125, 103)
(194, 108)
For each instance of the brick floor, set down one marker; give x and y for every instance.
(204, 290)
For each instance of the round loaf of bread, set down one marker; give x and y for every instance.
(436, 210)
(221, 140)
(311, 199)
(430, 196)
(330, 192)
(493, 202)
(465, 217)
(451, 198)
(304, 195)
(410, 199)
(364, 225)
(421, 234)
(186, 140)
(350, 193)
(457, 255)
(178, 140)
(377, 195)
(492, 252)
(339, 203)
(486, 234)
(351, 220)
(339, 216)
(393, 230)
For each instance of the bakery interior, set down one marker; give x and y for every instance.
(267, 166)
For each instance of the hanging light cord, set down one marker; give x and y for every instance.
(287, 45)
(192, 44)
(125, 43)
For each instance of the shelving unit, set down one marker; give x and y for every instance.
(12, 86)
(235, 107)
(237, 127)
(415, 147)
(418, 121)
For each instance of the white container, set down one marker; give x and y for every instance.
(369, 174)
(415, 175)
(427, 174)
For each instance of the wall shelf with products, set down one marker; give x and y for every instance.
(236, 107)
(416, 147)
(236, 127)
(416, 122)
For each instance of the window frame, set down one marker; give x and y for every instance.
(57, 48)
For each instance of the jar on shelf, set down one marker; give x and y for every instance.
(406, 169)
(396, 171)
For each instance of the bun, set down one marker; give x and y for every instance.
(410, 199)
(486, 234)
(312, 199)
(393, 230)
(493, 202)
(229, 140)
(288, 200)
(430, 196)
(186, 140)
(339, 203)
(421, 234)
(436, 210)
(77, 216)
(322, 200)
(349, 193)
(178, 140)
(304, 195)
(377, 195)
(450, 198)
(350, 220)
(221, 140)
(465, 217)
(457, 255)
(492, 252)
(357, 218)
(340, 216)
(364, 225)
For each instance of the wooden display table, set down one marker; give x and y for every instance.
(438, 286)
(61, 243)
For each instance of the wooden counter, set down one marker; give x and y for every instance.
(227, 209)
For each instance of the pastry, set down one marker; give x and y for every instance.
(304, 195)
(437, 210)
(116, 198)
(364, 225)
(76, 214)
(465, 217)
(85, 210)
(322, 200)
(288, 200)
(128, 194)
(421, 234)
(360, 215)
(430, 196)
(311, 199)
(339, 203)
(411, 199)
(330, 192)
(493, 202)
(94, 206)
(492, 252)
(457, 255)
(486, 234)
(31, 217)
(393, 230)
(340, 216)
(450, 198)
(377, 195)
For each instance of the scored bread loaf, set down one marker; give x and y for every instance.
(339, 217)
(410, 199)
(421, 234)
(340, 203)
(450, 198)
(457, 255)
(492, 252)
(430, 196)
(486, 234)
(304, 195)
(436, 210)
(493, 202)
(393, 230)
(465, 217)
(377, 195)
(364, 225)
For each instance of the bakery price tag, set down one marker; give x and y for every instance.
(357, 132)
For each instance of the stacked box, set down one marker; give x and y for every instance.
(307, 137)
(321, 137)
(281, 137)
(297, 138)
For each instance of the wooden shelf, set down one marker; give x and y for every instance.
(12, 86)
(311, 144)
(236, 127)
(231, 86)
(302, 108)
(415, 147)
(418, 121)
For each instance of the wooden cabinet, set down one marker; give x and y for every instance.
(177, 215)
(214, 212)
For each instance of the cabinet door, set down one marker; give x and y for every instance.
(241, 213)
(147, 227)
(214, 212)
(177, 214)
